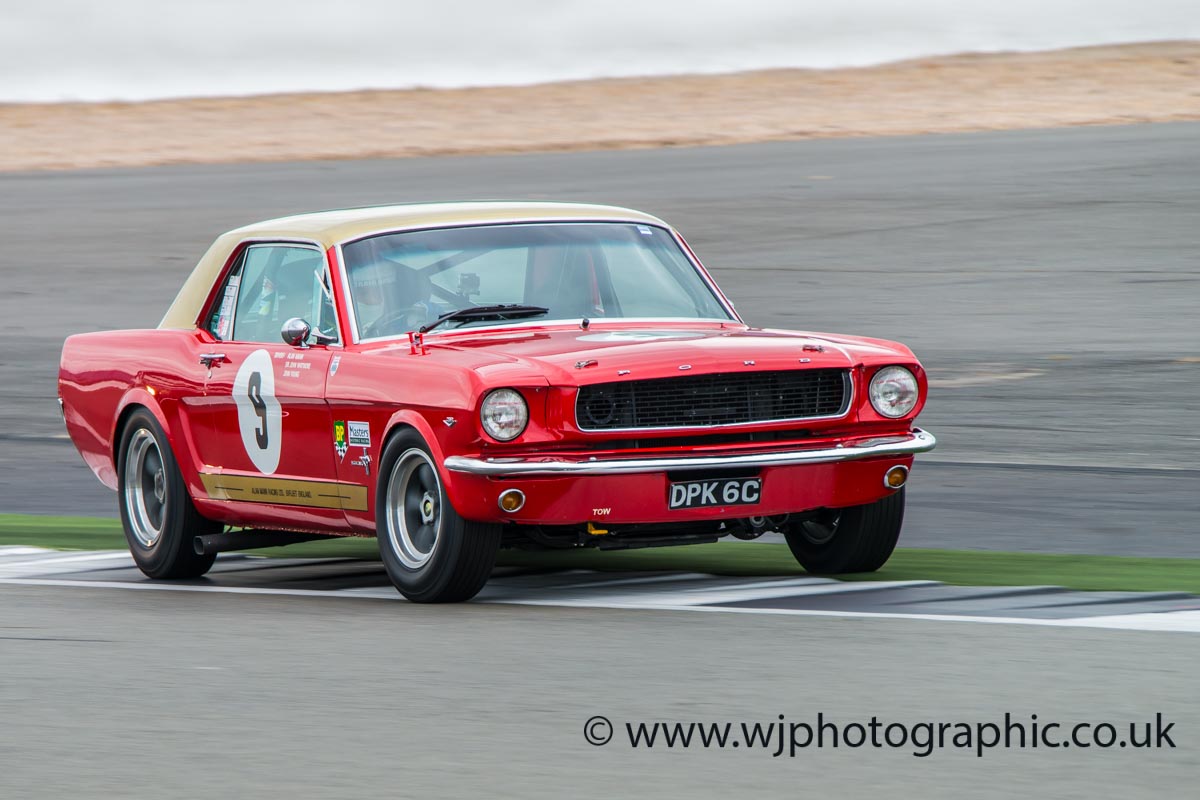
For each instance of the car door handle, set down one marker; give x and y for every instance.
(208, 359)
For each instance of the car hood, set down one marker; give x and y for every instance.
(578, 357)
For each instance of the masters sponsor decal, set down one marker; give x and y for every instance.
(360, 434)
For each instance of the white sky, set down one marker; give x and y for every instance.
(138, 49)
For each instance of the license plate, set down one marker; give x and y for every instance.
(725, 492)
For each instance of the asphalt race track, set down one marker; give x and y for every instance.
(1048, 280)
(327, 685)
(238, 573)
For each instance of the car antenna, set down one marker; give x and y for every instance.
(584, 323)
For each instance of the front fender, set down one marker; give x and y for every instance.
(410, 418)
(453, 482)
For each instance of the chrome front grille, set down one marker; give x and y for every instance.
(722, 399)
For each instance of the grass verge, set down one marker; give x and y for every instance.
(962, 567)
(61, 533)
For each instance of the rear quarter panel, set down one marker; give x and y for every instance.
(102, 375)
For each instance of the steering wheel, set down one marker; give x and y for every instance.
(397, 321)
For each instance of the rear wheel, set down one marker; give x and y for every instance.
(431, 554)
(856, 539)
(156, 511)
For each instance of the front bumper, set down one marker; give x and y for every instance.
(915, 441)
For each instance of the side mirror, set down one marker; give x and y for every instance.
(296, 332)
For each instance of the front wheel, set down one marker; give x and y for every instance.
(431, 554)
(855, 539)
(156, 511)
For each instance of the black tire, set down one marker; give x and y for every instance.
(156, 510)
(431, 554)
(855, 539)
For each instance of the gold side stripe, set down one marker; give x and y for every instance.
(285, 491)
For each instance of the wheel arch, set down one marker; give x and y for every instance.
(122, 420)
(175, 430)
(410, 420)
(135, 400)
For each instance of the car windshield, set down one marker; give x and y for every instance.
(402, 281)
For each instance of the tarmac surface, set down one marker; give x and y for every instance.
(182, 694)
(680, 591)
(1048, 280)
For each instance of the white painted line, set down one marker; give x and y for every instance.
(66, 565)
(175, 587)
(717, 586)
(68, 558)
(1137, 622)
(1169, 621)
(1185, 621)
(683, 576)
(757, 591)
(371, 593)
(775, 583)
(20, 550)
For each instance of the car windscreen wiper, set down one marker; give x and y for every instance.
(499, 311)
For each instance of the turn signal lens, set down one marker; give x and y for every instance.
(511, 500)
(504, 414)
(893, 392)
(896, 477)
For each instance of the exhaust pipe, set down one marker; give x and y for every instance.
(250, 540)
(754, 527)
(750, 528)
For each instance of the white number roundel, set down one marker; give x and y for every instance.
(260, 417)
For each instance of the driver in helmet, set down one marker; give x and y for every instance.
(390, 298)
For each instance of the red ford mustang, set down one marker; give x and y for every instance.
(457, 378)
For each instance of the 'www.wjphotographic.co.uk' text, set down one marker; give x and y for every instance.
(783, 737)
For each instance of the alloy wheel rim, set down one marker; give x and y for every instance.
(414, 513)
(145, 488)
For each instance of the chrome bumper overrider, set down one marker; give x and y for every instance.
(917, 441)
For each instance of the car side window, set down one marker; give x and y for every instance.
(220, 318)
(269, 285)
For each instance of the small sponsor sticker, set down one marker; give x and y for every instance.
(644, 231)
(225, 315)
(339, 438)
(359, 434)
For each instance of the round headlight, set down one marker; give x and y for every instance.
(504, 414)
(893, 391)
